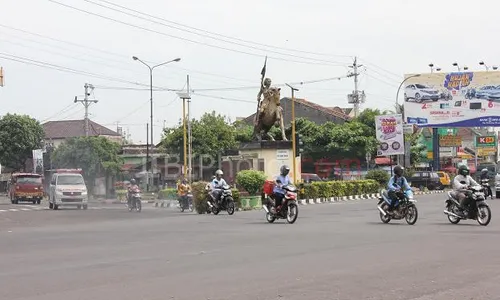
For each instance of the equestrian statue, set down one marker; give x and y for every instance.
(269, 111)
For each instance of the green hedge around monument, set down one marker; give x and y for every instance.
(328, 189)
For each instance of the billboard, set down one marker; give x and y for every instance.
(389, 130)
(456, 99)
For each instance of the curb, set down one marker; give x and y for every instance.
(355, 197)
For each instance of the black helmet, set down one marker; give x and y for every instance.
(484, 171)
(284, 170)
(132, 181)
(463, 170)
(398, 170)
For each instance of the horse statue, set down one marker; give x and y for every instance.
(270, 113)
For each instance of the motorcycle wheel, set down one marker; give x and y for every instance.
(292, 213)
(411, 214)
(452, 219)
(182, 209)
(385, 219)
(215, 210)
(270, 218)
(230, 207)
(191, 208)
(480, 214)
(130, 207)
(138, 206)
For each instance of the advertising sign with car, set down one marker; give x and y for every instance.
(456, 99)
(390, 134)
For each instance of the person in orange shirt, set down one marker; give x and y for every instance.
(183, 188)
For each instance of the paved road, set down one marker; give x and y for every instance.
(334, 251)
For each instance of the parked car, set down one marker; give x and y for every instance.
(310, 177)
(420, 92)
(427, 179)
(484, 92)
(444, 178)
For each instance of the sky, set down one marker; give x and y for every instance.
(49, 50)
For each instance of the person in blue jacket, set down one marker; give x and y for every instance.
(282, 180)
(397, 186)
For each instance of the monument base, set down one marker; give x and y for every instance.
(265, 156)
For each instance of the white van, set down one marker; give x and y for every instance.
(68, 189)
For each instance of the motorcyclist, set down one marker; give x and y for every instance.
(131, 187)
(461, 183)
(396, 187)
(484, 177)
(282, 180)
(216, 186)
(183, 188)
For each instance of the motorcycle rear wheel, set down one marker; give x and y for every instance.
(270, 218)
(385, 219)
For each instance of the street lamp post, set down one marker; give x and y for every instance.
(294, 163)
(151, 97)
(407, 146)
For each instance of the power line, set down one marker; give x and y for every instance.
(221, 35)
(62, 111)
(385, 70)
(205, 35)
(69, 70)
(186, 39)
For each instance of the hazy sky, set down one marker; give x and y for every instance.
(390, 38)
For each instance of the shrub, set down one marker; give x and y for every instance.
(327, 189)
(380, 176)
(168, 194)
(200, 196)
(251, 180)
(121, 194)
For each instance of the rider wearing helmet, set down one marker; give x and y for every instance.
(217, 183)
(282, 180)
(462, 182)
(396, 186)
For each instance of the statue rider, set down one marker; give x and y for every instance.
(264, 88)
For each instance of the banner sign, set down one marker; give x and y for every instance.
(450, 141)
(486, 141)
(38, 161)
(389, 130)
(457, 99)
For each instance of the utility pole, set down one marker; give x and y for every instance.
(357, 97)
(86, 103)
(184, 97)
(190, 136)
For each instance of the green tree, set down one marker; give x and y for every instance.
(94, 155)
(211, 134)
(19, 135)
(352, 139)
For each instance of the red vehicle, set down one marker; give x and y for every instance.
(289, 208)
(26, 187)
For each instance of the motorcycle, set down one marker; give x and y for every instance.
(134, 202)
(404, 208)
(485, 183)
(186, 202)
(476, 208)
(289, 208)
(226, 201)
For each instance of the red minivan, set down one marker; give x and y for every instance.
(26, 187)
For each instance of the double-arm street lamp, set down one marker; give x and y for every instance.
(151, 68)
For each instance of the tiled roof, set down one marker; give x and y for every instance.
(327, 110)
(74, 128)
(321, 108)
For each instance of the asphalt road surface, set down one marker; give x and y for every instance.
(333, 251)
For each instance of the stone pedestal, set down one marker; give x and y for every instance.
(266, 156)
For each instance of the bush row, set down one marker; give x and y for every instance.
(327, 189)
